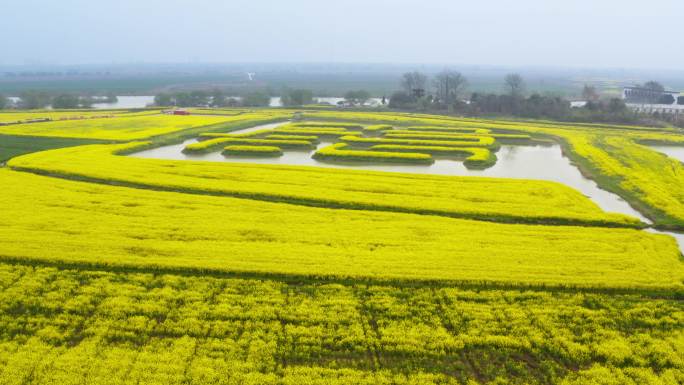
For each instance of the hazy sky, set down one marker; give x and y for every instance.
(588, 33)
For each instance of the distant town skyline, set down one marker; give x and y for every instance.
(581, 33)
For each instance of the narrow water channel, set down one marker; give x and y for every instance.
(541, 162)
(674, 152)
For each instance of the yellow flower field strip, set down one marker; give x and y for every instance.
(507, 200)
(253, 150)
(321, 125)
(27, 116)
(481, 141)
(475, 157)
(378, 128)
(452, 129)
(310, 138)
(130, 128)
(213, 144)
(178, 329)
(455, 134)
(321, 133)
(419, 136)
(342, 152)
(52, 220)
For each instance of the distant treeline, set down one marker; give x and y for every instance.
(259, 98)
(218, 98)
(448, 94)
(31, 100)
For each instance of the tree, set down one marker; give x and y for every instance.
(4, 102)
(357, 98)
(199, 99)
(86, 102)
(616, 105)
(34, 100)
(63, 101)
(182, 99)
(515, 84)
(218, 98)
(256, 99)
(589, 93)
(111, 97)
(666, 99)
(653, 85)
(297, 97)
(449, 85)
(163, 100)
(414, 83)
(401, 100)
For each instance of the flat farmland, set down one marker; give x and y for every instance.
(215, 267)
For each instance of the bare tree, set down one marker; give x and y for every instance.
(449, 85)
(414, 83)
(515, 84)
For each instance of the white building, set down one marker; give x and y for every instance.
(650, 101)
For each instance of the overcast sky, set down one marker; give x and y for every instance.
(578, 33)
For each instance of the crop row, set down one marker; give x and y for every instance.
(124, 127)
(266, 151)
(72, 327)
(476, 141)
(377, 128)
(506, 200)
(310, 138)
(341, 152)
(43, 220)
(335, 125)
(474, 157)
(211, 144)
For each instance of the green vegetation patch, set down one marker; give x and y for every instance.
(11, 146)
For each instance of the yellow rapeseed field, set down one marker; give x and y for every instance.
(507, 200)
(58, 221)
(130, 128)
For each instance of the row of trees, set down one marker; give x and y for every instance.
(217, 98)
(32, 100)
(447, 90)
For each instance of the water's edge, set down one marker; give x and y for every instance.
(538, 162)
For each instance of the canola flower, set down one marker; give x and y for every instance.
(505, 200)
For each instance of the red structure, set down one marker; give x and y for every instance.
(181, 112)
